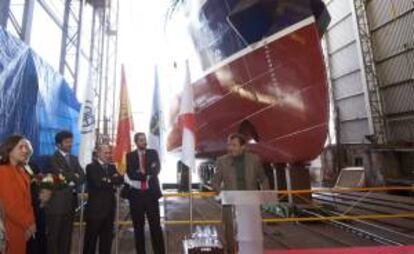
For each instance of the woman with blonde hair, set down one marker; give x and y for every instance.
(15, 193)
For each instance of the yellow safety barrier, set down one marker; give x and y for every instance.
(291, 219)
(316, 190)
(344, 190)
(286, 192)
(193, 194)
(345, 217)
(281, 220)
(167, 223)
(195, 222)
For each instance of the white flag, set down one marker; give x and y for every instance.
(187, 121)
(87, 125)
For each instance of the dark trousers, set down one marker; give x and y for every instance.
(102, 229)
(38, 244)
(229, 232)
(145, 204)
(59, 233)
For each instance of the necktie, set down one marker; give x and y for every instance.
(142, 162)
(67, 158)
(105, 168)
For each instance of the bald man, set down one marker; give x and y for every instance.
(102, 179)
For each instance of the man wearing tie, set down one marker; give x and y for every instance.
(102, 179)
(60, 209)
(143, 167)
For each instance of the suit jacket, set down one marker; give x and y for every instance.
(63, 201)
(152, 169)
(101, 190)
(225, 175)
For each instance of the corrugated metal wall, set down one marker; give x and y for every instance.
(392, 29)
(345, 73)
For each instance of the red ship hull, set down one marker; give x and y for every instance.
(277, 87)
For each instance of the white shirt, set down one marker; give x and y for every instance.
(140, 154)
(64, 154)
(136, 184)
(101, 162)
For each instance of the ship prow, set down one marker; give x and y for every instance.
(272, 89)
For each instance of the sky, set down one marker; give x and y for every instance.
(139, 49)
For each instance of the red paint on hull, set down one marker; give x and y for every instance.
(279, 88)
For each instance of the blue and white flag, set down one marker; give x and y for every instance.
(156, 123)
(87, 125)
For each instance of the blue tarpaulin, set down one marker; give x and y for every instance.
(35, 100)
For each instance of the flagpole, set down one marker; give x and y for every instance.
(81, 220)
(187, 121)
(117, 228)
(190, 189)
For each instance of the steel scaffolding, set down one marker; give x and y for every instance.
(104, 51)
(22, 25)
(70, 17)
(4, 12)
(377, 120)
(71, 41)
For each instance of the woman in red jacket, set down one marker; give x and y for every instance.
(15, 193)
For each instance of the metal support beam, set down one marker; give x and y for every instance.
(15, 23)
(100, 55)
(4, 12)
(63, 45)
(114, 79)
(78, 45)
(70, 50)
(103, 61)
(91, 47)
(106, 78)
(27, 21)
(56, 19)
(110, 68)
(51, 14)
(377, 121)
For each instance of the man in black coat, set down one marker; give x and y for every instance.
(102, 179)
(61, 207)
(143, 167)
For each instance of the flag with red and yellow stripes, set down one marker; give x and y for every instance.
(125, 127)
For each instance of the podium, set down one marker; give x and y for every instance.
(248, 217)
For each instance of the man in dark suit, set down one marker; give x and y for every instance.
(143, 167)
(102, 179)
(61, 207)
